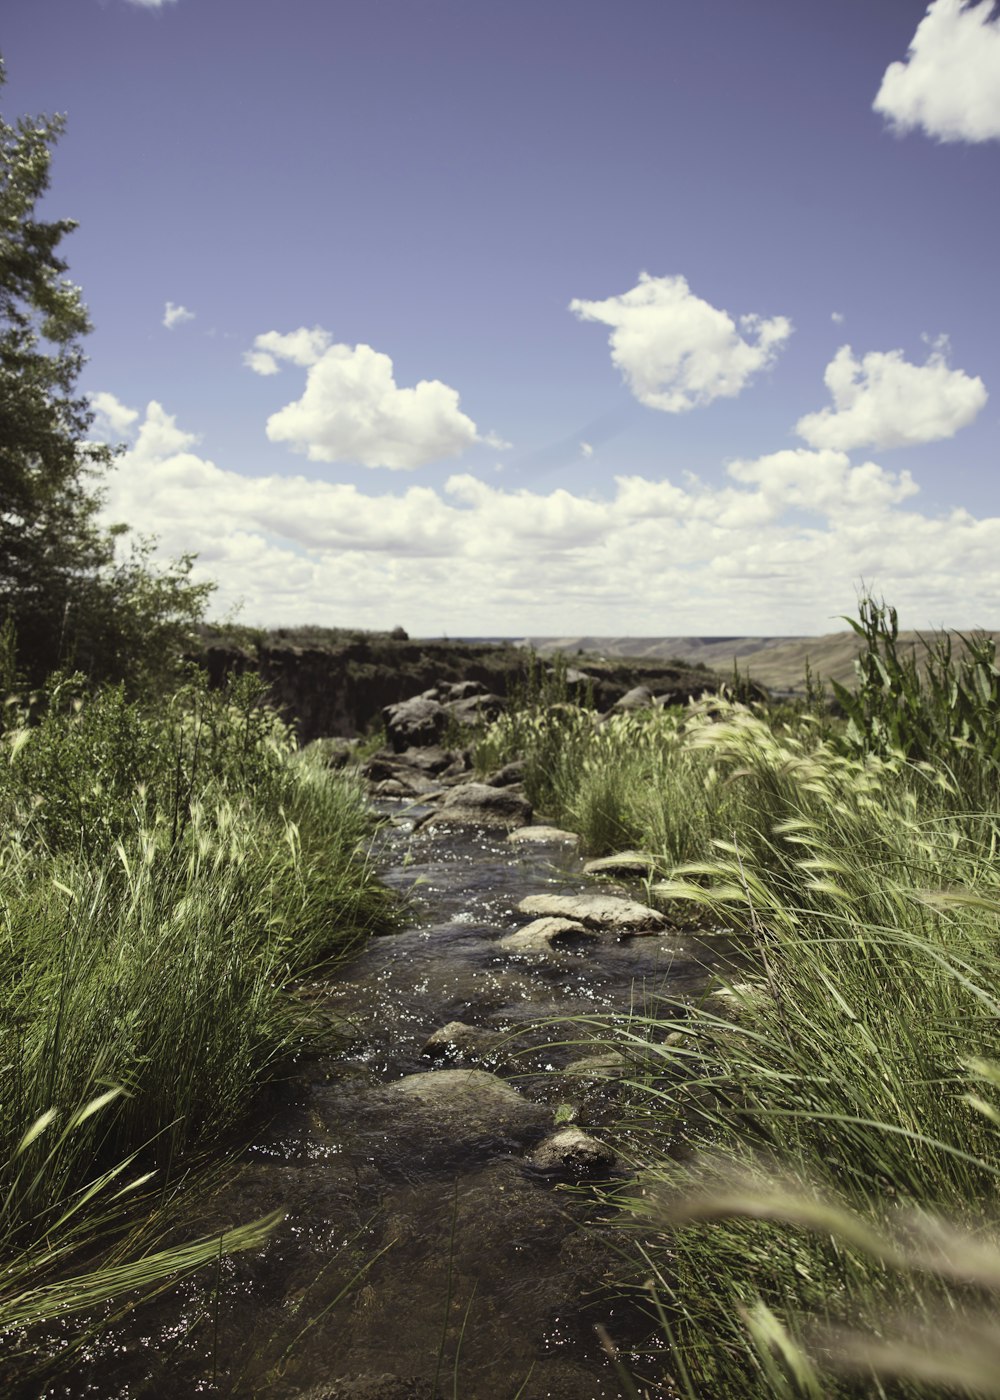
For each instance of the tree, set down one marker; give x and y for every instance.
(71, 600)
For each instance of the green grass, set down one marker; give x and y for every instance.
(818, 1202)
(166, 879)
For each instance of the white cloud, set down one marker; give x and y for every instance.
(302, 347)
(884, 401)
(353, 411)
(112, 417)
(677, 351)
(779, 546)
(587, 449)
(950, 82)
(837, 317)
(176, 315)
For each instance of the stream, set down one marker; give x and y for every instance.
(428, 1249)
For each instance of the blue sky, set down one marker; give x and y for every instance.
(540, 316)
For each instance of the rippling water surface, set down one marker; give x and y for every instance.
(422, 1254)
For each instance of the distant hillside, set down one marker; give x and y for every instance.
(776, 662)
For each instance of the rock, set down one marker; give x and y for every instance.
(573, 1152)
(372, 1387)
(415, 723)
(605, 1066)
(404, 784)
(624, 863)
(474, 709)
(465, 1103)
(379, 767)
(596, 911)
(543, 935)
(507, 775)
(429, 760)
(540, 835)
(640, 697)
(460, 690)
(476, 804)
(458, 1041)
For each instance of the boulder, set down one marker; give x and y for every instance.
(476, 804)
(415, 723)
(604, 911)
(474, 709)
(542, 935)
(572, 1152)
(429, 760)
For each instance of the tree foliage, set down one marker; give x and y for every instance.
(73, 599)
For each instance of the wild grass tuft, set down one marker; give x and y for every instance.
(817, 1141)
(166, 878)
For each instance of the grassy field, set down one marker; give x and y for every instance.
(817, 1205)
(167, 874)
(779, 663)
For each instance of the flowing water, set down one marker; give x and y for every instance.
(423, 1254)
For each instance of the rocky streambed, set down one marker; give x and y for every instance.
(430, 1247)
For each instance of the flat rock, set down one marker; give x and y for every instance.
(572, 1152)
(476, 804)
(605, 1066)
(596, 911)
(622, 863)
(542, 835)
(463, 1103)
(542, 935)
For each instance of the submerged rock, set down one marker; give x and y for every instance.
(459, 1041)
(605, 911)
(574, 1152)
(464, 1103)
(606, 1066)
(540, 835)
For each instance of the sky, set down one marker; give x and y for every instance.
(540, 317)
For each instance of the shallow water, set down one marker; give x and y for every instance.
(422, 1254)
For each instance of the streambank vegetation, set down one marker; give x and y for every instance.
(817, 1207)
(169, 871)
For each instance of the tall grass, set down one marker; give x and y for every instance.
(817, 1208)
(166, 876)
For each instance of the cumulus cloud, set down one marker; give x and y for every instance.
(111, 416)
(837, 317)
(949, 84)
(884, 401)
(176, 315)
(302, 347)
(150, 4)
(676, 351)
(352, 410)
(587, 449)
(778, 546)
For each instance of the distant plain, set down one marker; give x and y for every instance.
(776, 662)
